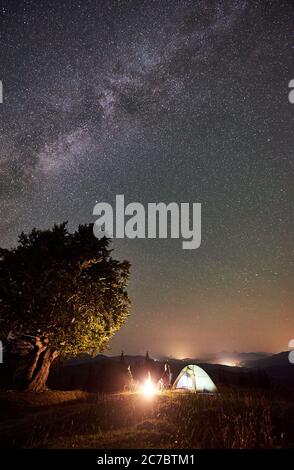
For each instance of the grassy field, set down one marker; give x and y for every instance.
(232, 419)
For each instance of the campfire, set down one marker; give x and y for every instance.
(149, 388)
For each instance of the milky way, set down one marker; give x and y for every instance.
(183, 101)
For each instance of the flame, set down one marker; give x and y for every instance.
(148, 387)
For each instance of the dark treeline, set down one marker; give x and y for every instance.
(111, 375)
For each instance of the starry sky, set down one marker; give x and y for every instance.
(171, 101)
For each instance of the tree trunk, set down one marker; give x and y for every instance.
(39, 347)
(39, 366)
(38, 382)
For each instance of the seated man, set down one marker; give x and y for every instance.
(166, 377)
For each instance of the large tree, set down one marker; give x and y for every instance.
(62, 294)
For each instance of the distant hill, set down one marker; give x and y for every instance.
(246, 357)
(275, 360)
(277, 367)
(242, 359)
(84, 359)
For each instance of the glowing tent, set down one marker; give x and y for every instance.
(195, 379)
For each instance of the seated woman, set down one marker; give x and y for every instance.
(166, 377)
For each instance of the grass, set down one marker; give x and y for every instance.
(232, 419)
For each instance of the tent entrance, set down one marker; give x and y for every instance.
(193, 378)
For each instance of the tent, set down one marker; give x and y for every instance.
(195, 379)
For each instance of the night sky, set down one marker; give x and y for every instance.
(171, 101)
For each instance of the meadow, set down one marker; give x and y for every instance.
(237, 418)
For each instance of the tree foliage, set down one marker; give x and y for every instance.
(62, 287)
